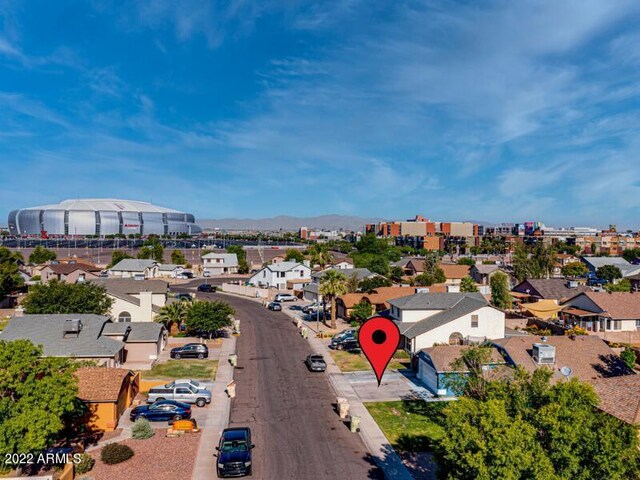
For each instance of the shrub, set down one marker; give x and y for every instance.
(142, 429)
(115, 453)
(85, 464)
(576, 331)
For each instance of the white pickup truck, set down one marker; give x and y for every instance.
(182, 393)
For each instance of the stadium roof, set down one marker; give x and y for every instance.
(106, 204)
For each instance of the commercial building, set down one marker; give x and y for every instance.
(101, 217)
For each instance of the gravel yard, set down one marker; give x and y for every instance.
(158, 457)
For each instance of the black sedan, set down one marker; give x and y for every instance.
(316, 363)
(275, 306)
(162, 411)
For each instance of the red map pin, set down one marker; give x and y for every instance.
(379, 338)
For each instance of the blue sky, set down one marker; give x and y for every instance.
(509, 111)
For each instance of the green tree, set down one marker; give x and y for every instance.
(396, 273)
(361, 311)
(466, 261)
(10, 277)
(468, 285)
(152, 249)
(623, 285)
(178, 258)
(379, 265)
(61, 297)
(243, 265)
(37, 397)
(521, 263)
(628, 356)
(500, 296)
(117, 256)
(367, 285)
(209, 317)
(353, 283)
(333, 284)
(575, 269)
(319, 254)
(41, 255)
(294, 255)
(631, 254)
(609, 273)
(171, 313)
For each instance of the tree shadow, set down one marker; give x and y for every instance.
(611, 366)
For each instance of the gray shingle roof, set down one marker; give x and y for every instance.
(48, 331)
(130, 286)
(228, 259)
(133, 265)
(283, 266)
(361, 273)
(139, 332)
(433, 301)
(466, 304)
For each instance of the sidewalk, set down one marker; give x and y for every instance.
(218, 416)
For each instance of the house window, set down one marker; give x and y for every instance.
(124, 317)
(617, 324)
(301, 274)
(637, 324)
(474, 321)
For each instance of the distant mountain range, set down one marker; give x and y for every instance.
(288, 223)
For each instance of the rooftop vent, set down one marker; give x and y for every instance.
(572, 284)
(73, 325)
(544, 354)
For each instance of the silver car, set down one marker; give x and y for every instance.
(184, 393)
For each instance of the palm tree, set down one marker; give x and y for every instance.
(171, 313)
(332, 285)
(320, 255)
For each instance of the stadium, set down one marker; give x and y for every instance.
(101, 217)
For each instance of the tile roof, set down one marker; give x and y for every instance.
(486, 269)
(620, 397)
(619, 305)
(466, 304)
(168, 267)
(48, 331)
(100, 384)
(550, 288)
(589, 357)
(131, 286)
(67, 268)
(351, 299)
(442, 356)
(455, 271)
(139, 332)
(133, 265)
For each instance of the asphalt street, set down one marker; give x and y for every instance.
(290, 410)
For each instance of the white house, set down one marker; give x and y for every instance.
(277, 275)
(135, 300)
(219, 263)
(134, 268)
(169, 270)
(426, 319)
(343, 265)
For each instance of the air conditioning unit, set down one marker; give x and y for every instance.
(73, 325)
(544, 354)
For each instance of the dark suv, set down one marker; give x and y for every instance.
(190, 350)
(205, 287)
(234, 452)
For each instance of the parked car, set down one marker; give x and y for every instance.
(275, 306)
(234, 452)
(206, 273)
(338, 338)
(349, 345)
(313, 308)
(181, 393)
(184, 296)
(285, 297)
(184, 381)
(190, 350)
(161, 411)
(205, 287)
(316, 363)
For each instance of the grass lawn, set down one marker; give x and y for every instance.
(353, 362)
(409, 425)
(195, 369)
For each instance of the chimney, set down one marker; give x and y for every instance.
(146, 305)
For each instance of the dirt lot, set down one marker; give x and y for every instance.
(158, 457)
